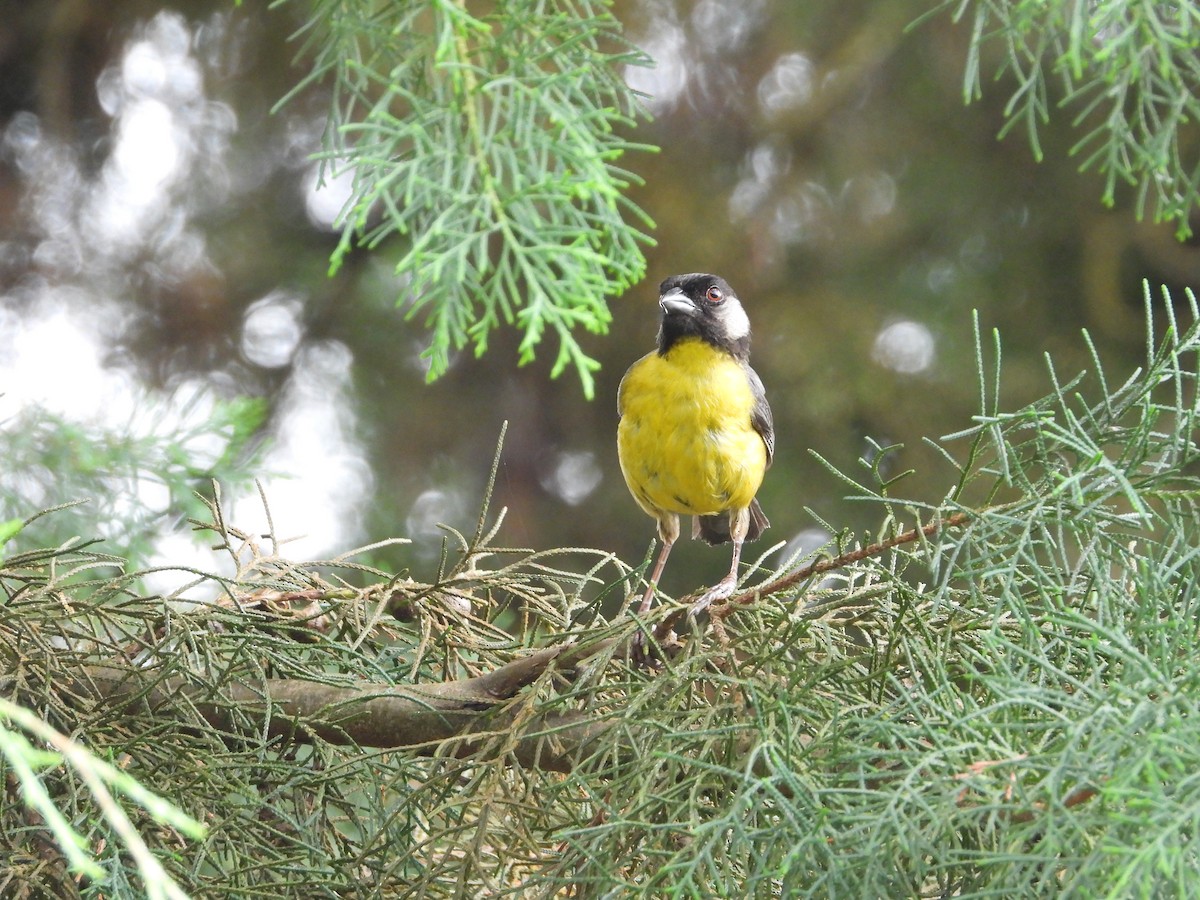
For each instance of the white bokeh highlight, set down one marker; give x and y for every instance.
(905, 346)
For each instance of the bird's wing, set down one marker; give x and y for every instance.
(760, 416)
(624, 381)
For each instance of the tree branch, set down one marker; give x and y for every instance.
(425, 717)
(726, 608)
(422, 717)
(821, 566)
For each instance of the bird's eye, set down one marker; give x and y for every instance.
(714, 295)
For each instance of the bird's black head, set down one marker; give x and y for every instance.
(706, 307)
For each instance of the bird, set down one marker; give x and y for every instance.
(695, 434)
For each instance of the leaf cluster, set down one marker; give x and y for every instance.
(1129, 71)
(103, 780)
(1007, 704)
(490, 144)
(134, 475)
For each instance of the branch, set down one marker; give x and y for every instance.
(726, 608)
(425, 717)
(820, 567)
(422, 717)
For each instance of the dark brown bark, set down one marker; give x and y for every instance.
(421, 716)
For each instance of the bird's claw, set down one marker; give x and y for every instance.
(640, 652)
(719, 591)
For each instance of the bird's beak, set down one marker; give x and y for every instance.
(676, 301)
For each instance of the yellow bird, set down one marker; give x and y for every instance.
(695, 435)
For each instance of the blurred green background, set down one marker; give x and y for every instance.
(163, 249)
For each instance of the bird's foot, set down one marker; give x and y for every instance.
(645, 652)
(719, 591)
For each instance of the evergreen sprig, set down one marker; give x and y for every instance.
(1131, 73)
(136, 475)
(102, 780)
(490, 143)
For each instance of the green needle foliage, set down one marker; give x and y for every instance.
(489, 142)
(1130, 71)
(101, 780)
(124, 481)
(1003, 702)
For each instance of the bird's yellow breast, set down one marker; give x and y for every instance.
(685, 440)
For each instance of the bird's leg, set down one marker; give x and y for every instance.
(739, 524)
(668, 541)
(668, 533)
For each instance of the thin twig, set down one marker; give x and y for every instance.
(820, 567)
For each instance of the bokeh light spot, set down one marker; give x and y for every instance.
(272, 330)
(907, 347)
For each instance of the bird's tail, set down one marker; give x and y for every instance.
(715, 529)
